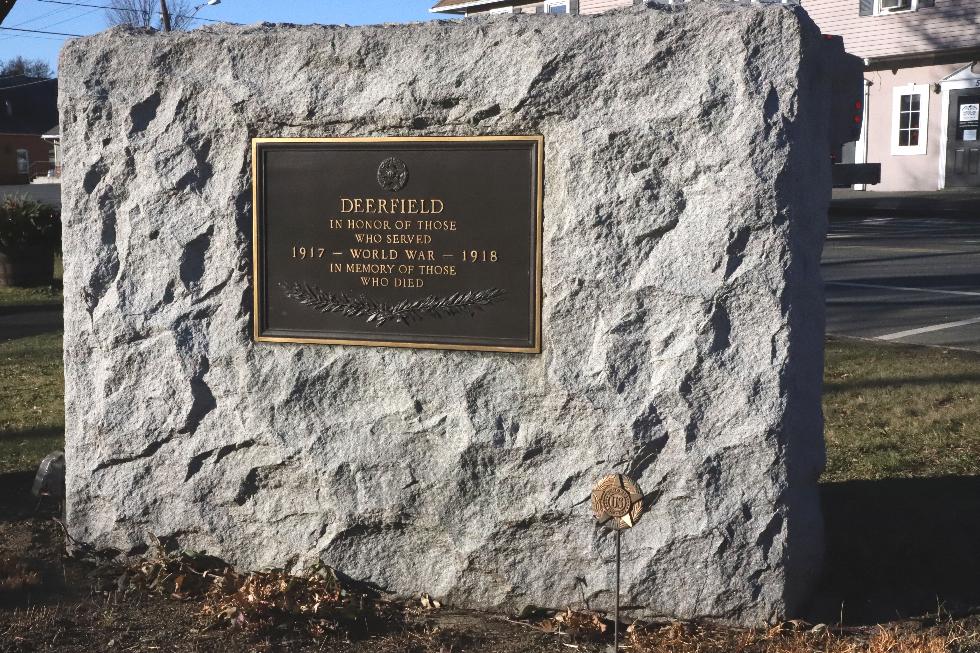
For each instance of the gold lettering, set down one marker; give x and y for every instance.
(438, 270)
(369, 268)
(408, 239)
(409, 283)
(409, 206)
(374, 254)
(378, 225)
(437, 225)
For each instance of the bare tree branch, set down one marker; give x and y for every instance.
(138, 13)
(146, 13)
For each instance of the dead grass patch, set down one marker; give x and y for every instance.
(16, 578)
(796, 637)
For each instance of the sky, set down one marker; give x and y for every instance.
(67, 18)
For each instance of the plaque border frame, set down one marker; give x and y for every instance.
(536, 139)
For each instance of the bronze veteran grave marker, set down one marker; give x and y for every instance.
(405, 242)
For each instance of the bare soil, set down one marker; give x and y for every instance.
(901, 500)
(49, 602)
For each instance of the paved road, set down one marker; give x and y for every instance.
(911, 280)
(25, 321)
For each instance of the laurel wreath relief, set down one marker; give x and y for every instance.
(405, 311)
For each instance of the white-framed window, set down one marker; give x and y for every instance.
(910, 119)
(884, 7)
(23, 162)
(556, 7)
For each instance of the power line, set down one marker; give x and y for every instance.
(41, 17)
(46, 31)
(65, 20)
(60, 10)
(34, 20)
(35, 37)
(82, 4)
(59, 39)
(37, 31)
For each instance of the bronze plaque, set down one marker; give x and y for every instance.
(401, 242)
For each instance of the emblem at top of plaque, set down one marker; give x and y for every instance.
(393, 174)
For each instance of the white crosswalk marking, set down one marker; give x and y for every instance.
(914, 280)
(929, 329)
(964, 293)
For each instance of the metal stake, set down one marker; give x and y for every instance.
(616, 624)
(618, 504)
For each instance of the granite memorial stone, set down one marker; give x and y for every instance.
(686, 177)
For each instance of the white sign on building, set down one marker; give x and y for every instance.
(969, 112)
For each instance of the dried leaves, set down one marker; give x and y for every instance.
(429, 603)
(320, 605)
(798, 637)
(16, 577)
(585, 629)
(317, 602)
(578, 626)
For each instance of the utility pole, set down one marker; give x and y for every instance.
(5, 7)
(165, 15)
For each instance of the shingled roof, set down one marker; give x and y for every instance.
(447, 5)
(460, 6)
(28, 105)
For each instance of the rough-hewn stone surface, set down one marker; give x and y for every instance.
(686, 189)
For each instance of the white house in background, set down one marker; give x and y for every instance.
(922, 86)
(922, 79)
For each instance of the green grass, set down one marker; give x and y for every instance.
(32, 418)
(43, 296)
(896, 411)
(891, 411)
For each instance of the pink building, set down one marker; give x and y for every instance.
(922, 86)
(922, 80)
